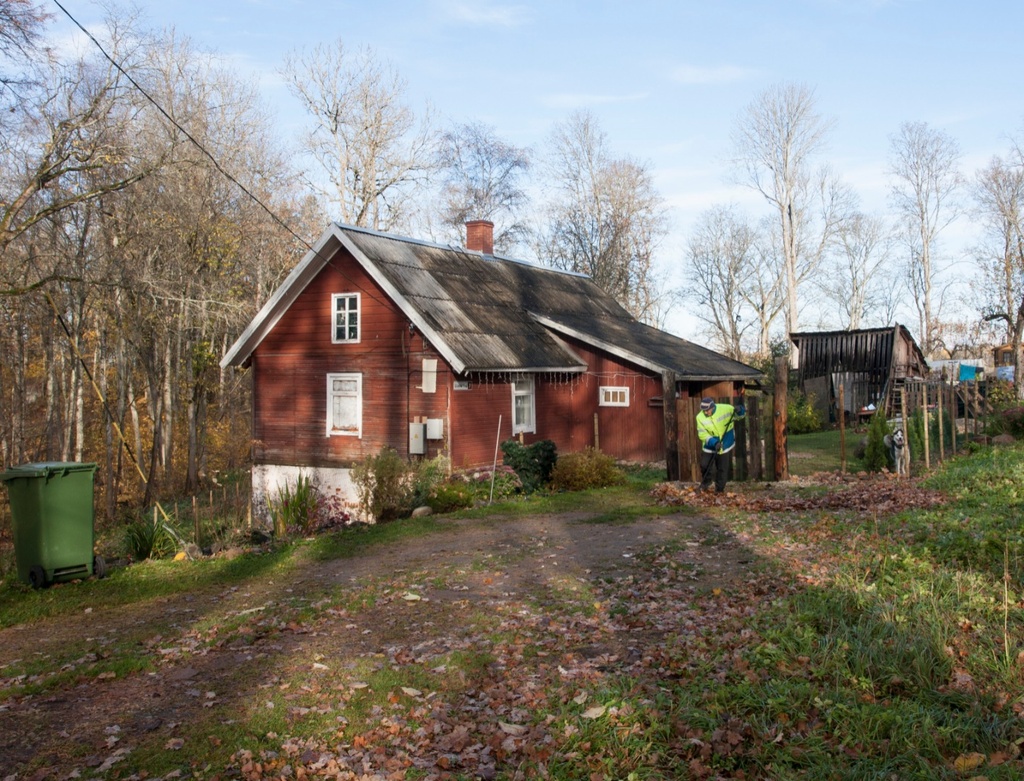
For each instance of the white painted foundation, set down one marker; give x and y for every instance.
(268, 479)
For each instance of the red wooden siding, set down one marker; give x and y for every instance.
(475, 417)
(291, 365)
(566, 407)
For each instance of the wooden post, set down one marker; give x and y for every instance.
(686, 441)
(668, 410)
(597, 434)
(740, 472)
(924, 412)
(907, 455)
(756, 470)
(780, 418)
(952, 416)
(940, 409)
(842, 427)
(974, 401)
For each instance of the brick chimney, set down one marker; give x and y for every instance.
(480, 236)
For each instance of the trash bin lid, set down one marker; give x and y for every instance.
(46, 469)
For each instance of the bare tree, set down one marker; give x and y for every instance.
(605, 218)
(999, 195)
(722, 256)
(926, 184)
(72, 149)
(483, 180)
(776, 140)
(21, 26)
(854, 279)
(364, 139)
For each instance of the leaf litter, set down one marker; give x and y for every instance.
(656, 600)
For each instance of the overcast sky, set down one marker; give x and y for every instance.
(666, 80)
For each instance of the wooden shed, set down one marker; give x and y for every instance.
(870, 365)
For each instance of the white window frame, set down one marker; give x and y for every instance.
(613, 396)
(524, 386)
(342, 300)
(357, 430)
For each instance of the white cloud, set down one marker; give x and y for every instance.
(487, 14)
(695, 74)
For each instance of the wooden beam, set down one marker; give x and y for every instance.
(668, 395)
(780, 418)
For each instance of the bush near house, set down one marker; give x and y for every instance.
(589, 468)
(533, 463)
(802, 417)
(876, 454)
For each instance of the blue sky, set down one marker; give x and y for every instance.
(666, 80)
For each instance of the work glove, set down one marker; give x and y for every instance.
(712, 443)
(741, 411)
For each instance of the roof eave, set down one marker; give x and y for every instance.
(606, 346)
(240, 353)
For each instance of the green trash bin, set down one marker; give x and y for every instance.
(52, 520)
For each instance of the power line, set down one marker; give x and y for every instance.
(187, 135)
(220, 169)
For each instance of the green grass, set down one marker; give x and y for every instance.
(821, 451)
(859, 648)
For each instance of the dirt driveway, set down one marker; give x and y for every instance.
(77, 729)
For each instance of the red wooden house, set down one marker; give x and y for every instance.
(375, 340)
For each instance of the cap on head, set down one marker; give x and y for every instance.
(707, 403)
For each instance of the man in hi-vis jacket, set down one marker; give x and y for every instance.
(717, 439)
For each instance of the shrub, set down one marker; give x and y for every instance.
(876, 454)
(506, 482)
(385, 486)
(533, 463)
(802, 416)
(295, 509)
(429, 475)
(451, 496)
(589, 468)
(146, 539)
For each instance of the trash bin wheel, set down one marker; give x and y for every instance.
(99, 566)
(36, 576)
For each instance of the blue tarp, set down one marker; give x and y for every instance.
(968, 373)
(1004, 373)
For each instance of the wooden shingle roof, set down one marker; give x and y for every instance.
(485, 313)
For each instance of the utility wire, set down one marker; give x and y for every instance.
(202, 148)
(187, 135)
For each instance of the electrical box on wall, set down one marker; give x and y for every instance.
(435, 428)
(417, 439)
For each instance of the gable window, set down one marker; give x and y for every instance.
(345, 307)
(345, 405)
(524, 416)
(613, 396)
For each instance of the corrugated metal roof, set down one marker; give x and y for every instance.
(492, 314)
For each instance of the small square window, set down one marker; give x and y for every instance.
(345, 307)
(613, 396)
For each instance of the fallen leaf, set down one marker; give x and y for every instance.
(512, 729)
(594, 713)
(580, 698)
(174, 744)
(411, 692)
(410, 597)
(966, 762)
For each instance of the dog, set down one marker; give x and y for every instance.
(897, 451)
